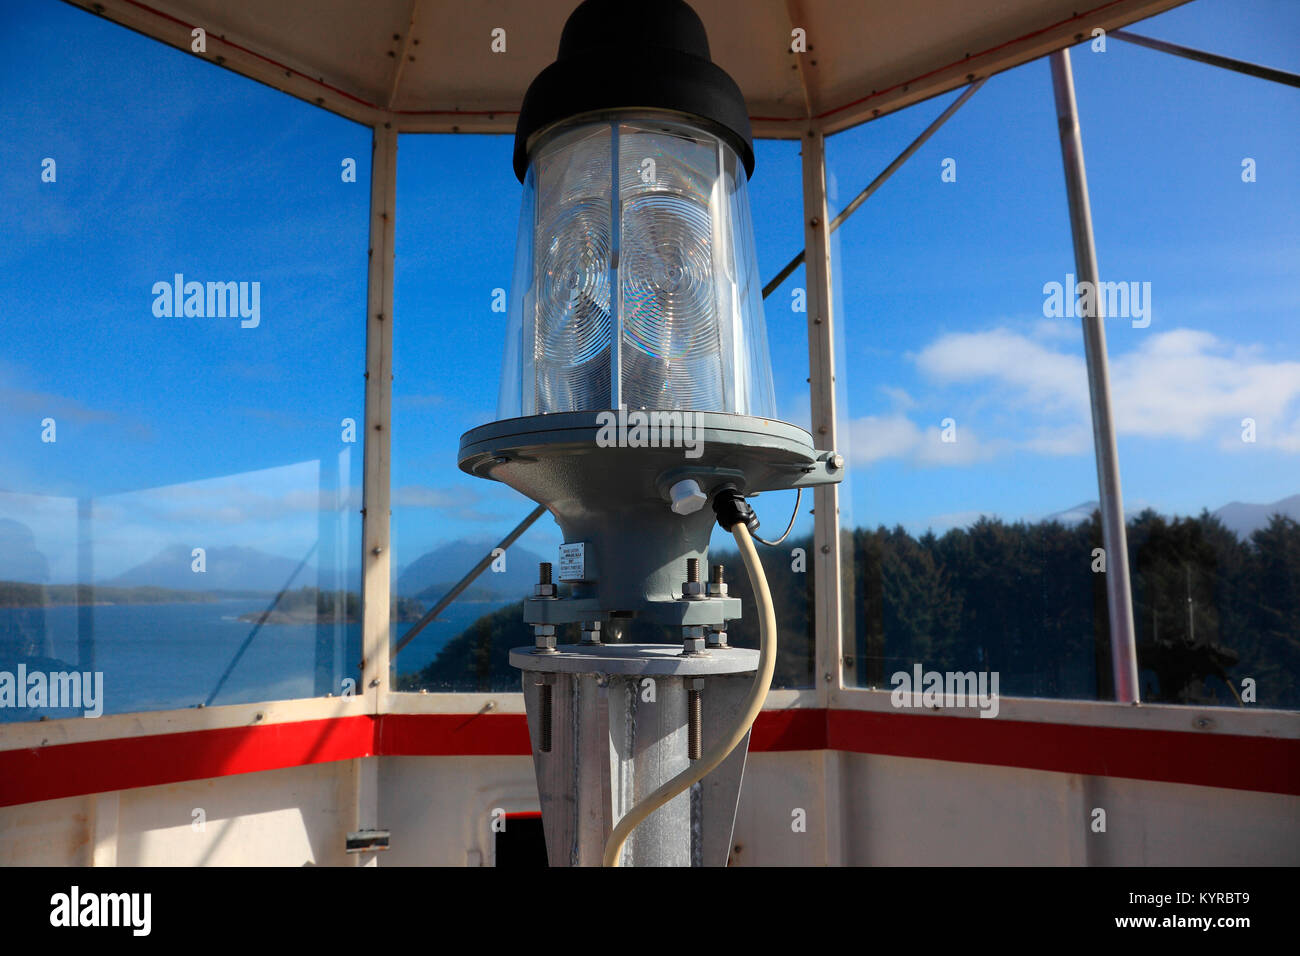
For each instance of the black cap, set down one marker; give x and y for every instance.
(620, 54)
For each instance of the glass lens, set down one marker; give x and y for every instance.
(635, 281)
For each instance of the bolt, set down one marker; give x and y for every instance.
(693, 640)
(694, 718)
(717, 584)
(693, 570)
(544, 573)
(546, 699)
(544, 639)
(591, 632)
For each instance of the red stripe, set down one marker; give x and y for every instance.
(784, 730)
(1264, 764)
(1267, 764)
(100, 766)
(448, 735)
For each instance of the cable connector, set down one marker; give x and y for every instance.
(732, 509)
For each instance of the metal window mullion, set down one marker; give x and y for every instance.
(828, 676)
(375, 533)
(1119, 595)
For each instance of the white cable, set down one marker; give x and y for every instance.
(750, 709)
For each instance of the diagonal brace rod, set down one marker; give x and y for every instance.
(879, 181)
(469, 578)
(1213, 59)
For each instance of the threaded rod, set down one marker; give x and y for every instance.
(544, 572)
(693, 570)
(694, 724)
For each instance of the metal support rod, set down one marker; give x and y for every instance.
(1213, 59)
(375, 567)
(1119, 597)
(469, 578)
(879, 181)
(257, 626)
(821, 378)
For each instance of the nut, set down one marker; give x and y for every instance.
(545, 591)
(692, 646)
(717, 637)
(693, 590)
(717, 590)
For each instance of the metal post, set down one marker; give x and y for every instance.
(375, 584)
(1119, 597)
(828, 675)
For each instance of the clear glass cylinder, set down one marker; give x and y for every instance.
(635, 281)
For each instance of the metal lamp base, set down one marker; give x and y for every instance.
(609, 724)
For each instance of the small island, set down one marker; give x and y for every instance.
(308, 605)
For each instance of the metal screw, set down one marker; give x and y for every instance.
(694, 719)
(546, 700)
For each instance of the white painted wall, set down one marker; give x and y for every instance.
(858, 809)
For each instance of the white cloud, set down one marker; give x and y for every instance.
(1182, 384)
(876, 437)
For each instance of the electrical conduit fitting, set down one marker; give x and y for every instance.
(732, 509)
(687, 497)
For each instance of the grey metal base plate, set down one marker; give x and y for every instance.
(634, 659)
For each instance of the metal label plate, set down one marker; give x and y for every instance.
(573, 565)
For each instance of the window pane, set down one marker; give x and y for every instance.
(1198, 225)
(970, 427)
(175, 458)
(971, 484)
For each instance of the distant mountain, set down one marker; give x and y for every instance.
(432, 574)
(227, 569)
(1076, 515)
(1238, 517)
(1244, 518)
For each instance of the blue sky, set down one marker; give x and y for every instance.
(195, 430)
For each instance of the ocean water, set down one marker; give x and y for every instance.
(166, 656)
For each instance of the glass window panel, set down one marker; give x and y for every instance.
(1195, 181)
(179, 492)
(971, 482)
